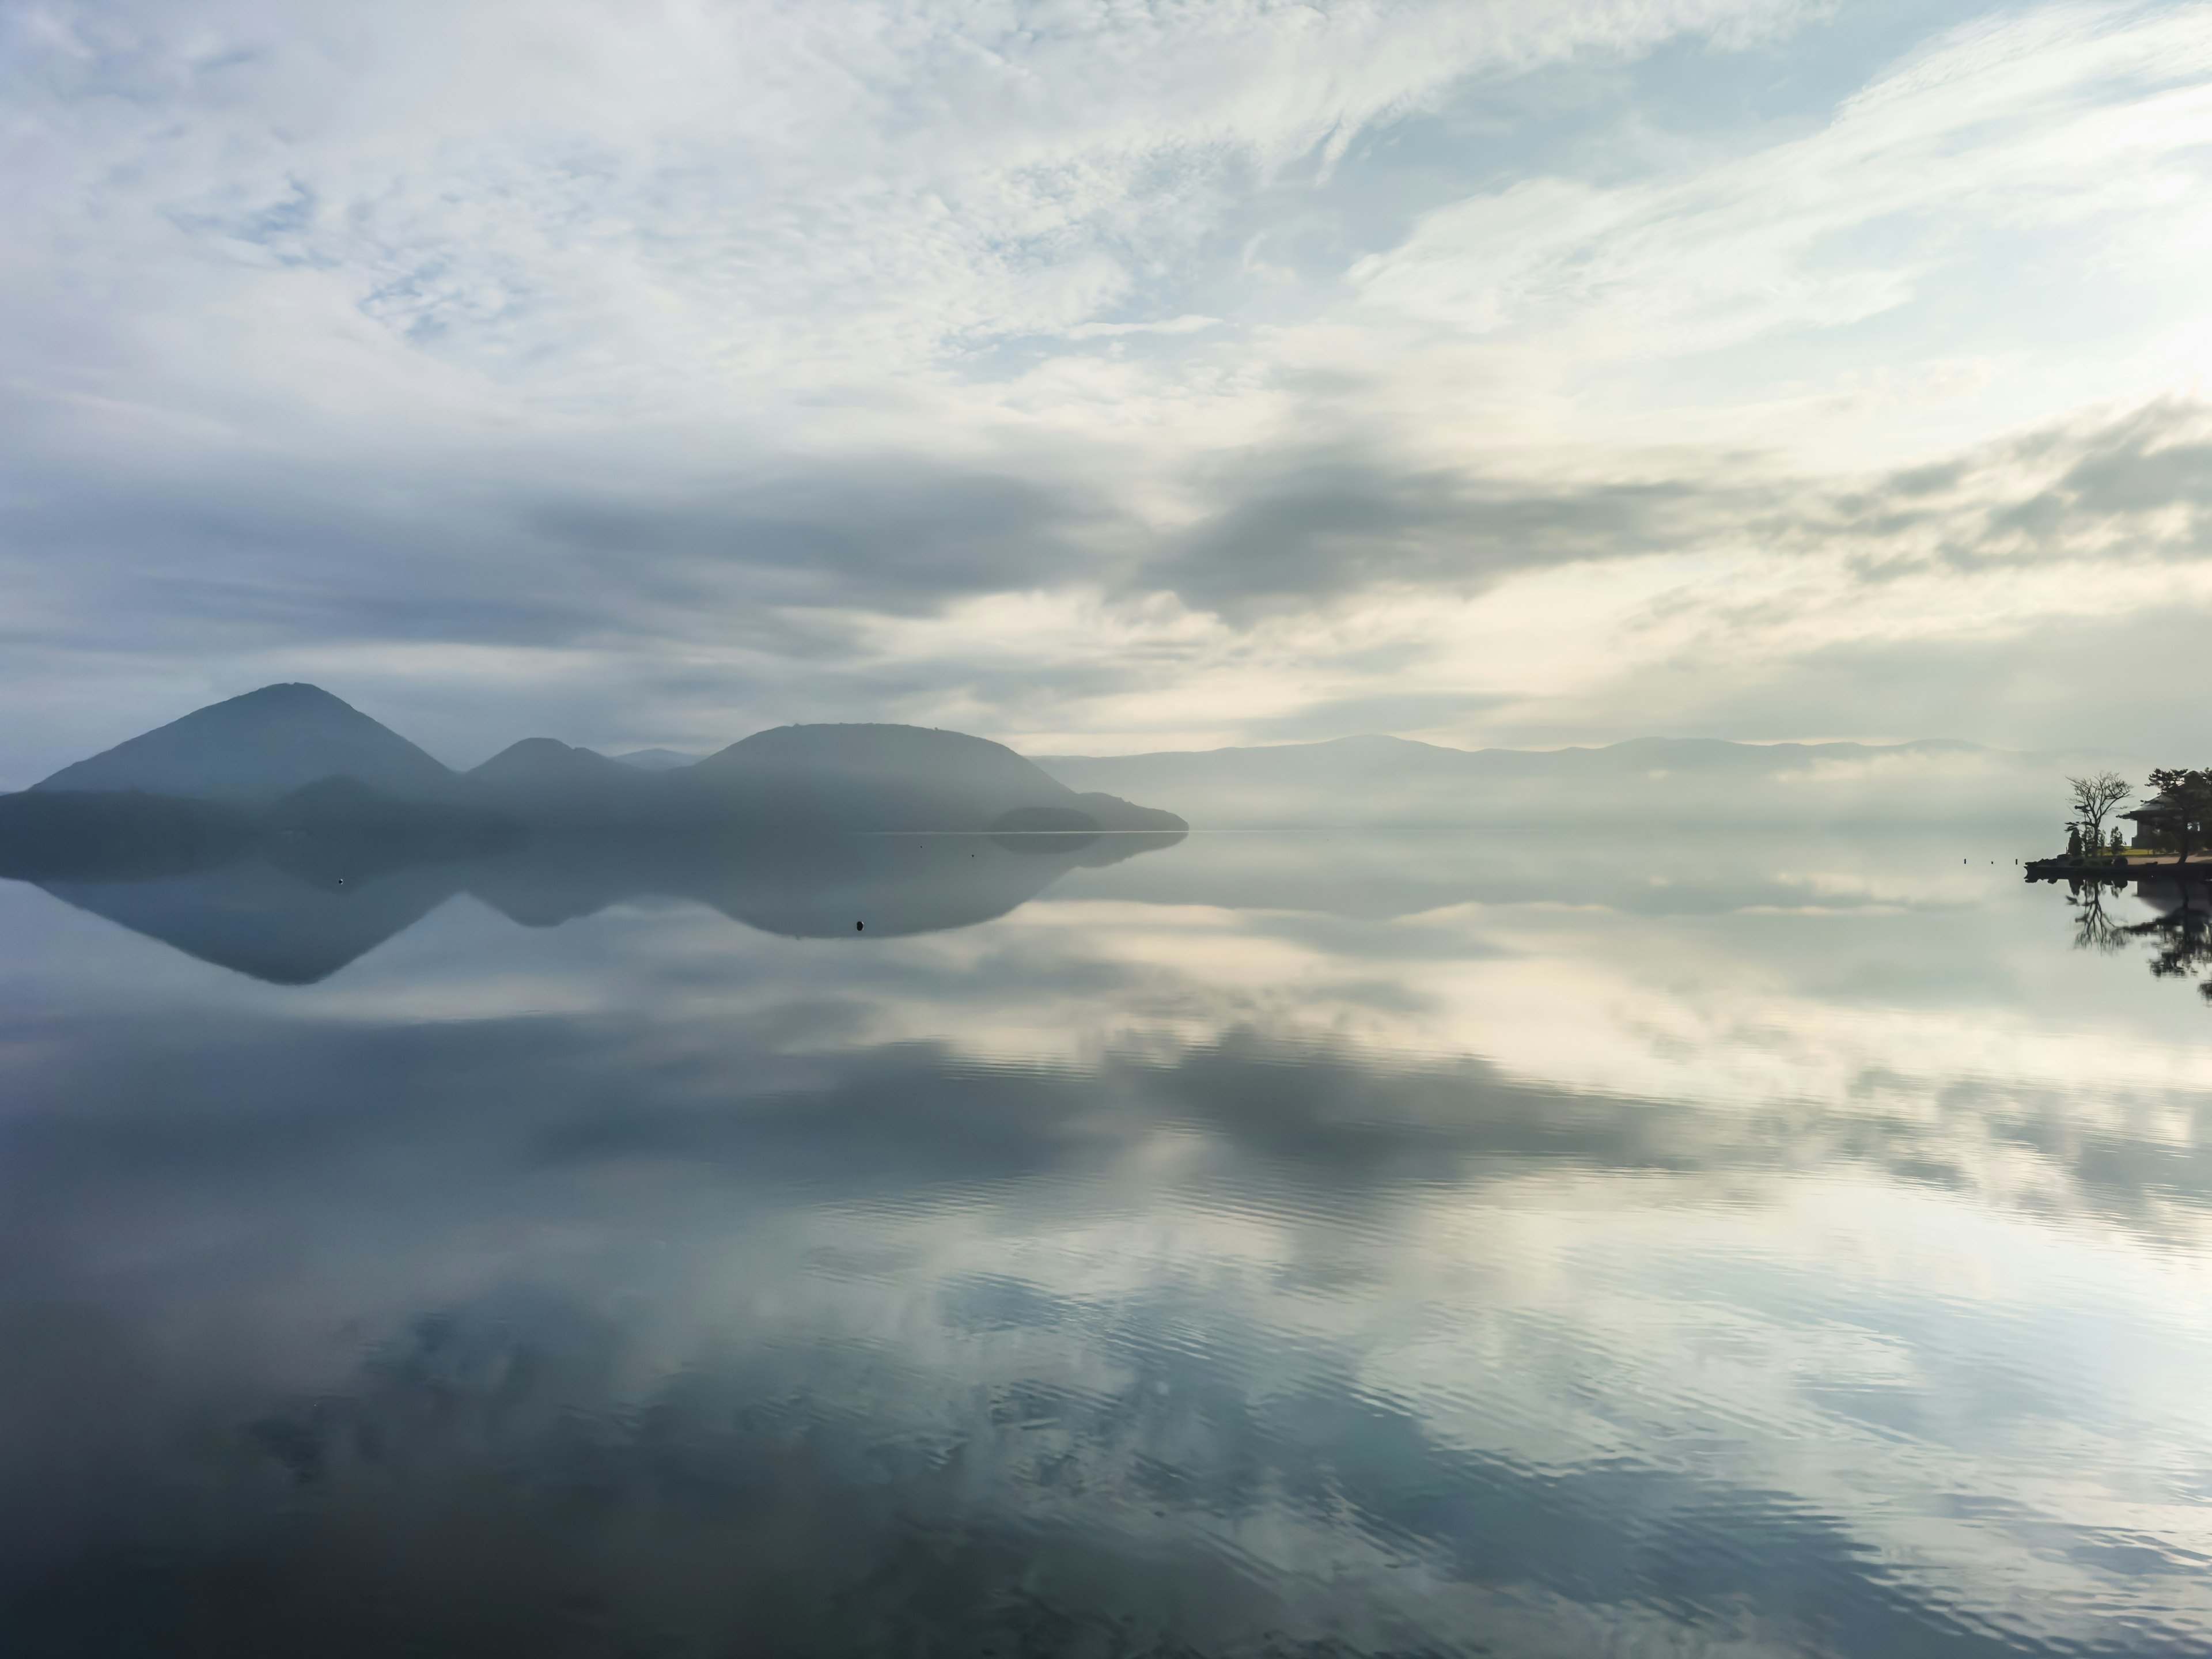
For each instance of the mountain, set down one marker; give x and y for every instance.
(283, 832)
(654, 759)
(806, 779)
(894, 777)
(262, 748)
(541, 781)
(256, 749)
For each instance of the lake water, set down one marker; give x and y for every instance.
(1266, 1245)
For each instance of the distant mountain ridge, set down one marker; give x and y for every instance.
(1376, 781)
(1381, 752)
(654, 759)
(255, 752)
(256, 749)
(282, 833)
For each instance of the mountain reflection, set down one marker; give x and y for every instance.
(293, 908)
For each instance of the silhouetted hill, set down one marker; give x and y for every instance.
(255, 748)
(259, 748)
(799, 779)
(283, 832)
(540, 780)
(892, 777)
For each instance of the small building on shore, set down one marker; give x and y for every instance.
(2156, 821)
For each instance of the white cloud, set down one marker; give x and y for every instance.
(620, 203)
(1185, 324)
(2065, 147)
(761, 361)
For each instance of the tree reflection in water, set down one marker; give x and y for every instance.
(2094, 927)
(2179, 935)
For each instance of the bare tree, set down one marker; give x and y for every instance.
(2094, 797)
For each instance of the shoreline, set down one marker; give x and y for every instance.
(2063, 868)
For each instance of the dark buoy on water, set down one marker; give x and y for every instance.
(858, 925)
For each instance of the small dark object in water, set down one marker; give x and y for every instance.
(858, 925)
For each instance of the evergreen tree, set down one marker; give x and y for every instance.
(2190, 791)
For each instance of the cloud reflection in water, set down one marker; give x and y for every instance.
(1279, 1245)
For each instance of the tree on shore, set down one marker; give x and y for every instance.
(2094, 797)
(2190, 789)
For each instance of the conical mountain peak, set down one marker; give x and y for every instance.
(258, 747)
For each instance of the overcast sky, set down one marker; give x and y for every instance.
(1105, 375)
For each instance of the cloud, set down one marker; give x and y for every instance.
(881, 532)
(565, 196)
(2132, 489)
(1306, 593)
(1298, 528)
(2106, 684)
(2071, 121)
(1376, 711)
(1186, 324)
(758, 364)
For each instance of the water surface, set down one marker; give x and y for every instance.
(1504, 1243)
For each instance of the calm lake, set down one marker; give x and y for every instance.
(1649, 1243)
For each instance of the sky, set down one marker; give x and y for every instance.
(1104, 376)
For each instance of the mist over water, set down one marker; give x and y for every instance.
(1550, 1238)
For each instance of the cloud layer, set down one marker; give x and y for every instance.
(1102, 378)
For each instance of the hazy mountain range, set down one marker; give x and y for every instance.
(283, 832)
(256, 750)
